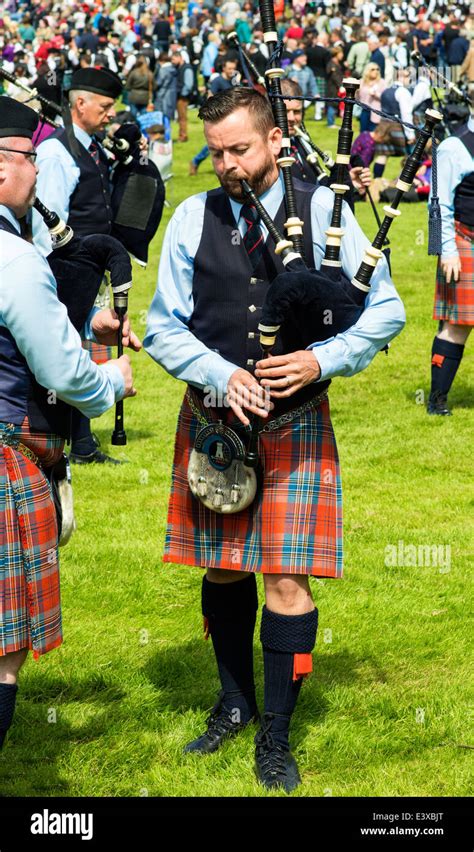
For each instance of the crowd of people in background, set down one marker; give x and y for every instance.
(173, 55)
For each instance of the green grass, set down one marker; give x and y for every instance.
(385, 712)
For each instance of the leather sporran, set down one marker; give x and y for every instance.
(217, 474)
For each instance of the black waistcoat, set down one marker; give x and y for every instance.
(389, 103)
(228, 296)
(90, 209)
(20, 394)
(464, 195)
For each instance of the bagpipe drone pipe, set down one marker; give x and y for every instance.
(318, 304)
(49, 109)
(138, 192)
(79, 264)
(305, 296)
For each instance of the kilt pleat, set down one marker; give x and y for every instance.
(30, 609)
(454, 302)
(294, 525)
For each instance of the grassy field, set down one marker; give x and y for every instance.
(386, 710)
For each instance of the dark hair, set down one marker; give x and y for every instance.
(223, 104)
(291, 87)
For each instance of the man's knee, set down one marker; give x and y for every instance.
(10, 665)
(285, 592)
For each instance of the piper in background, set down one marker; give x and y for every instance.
(454, 299)
(74, 181)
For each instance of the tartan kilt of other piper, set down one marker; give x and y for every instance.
(294, 525)
(454, 302)
(30, 608)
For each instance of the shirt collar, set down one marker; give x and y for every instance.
(470, 123)
(9, 214)
(82, 136)
(271, 199)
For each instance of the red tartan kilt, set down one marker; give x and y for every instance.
(454, 302)
(30, 609)
(294, 525)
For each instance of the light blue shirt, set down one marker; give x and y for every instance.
(454, 164)
(38, 321)
(170, 342)
(58, 177)
(208, 59)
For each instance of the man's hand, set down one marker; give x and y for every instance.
(243, 391)
(123, 363)
(451, 267)
(105, 326)
(361, 178)
(286, 374)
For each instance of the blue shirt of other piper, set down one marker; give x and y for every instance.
(58, 177)
(38, 321)
(170, 342)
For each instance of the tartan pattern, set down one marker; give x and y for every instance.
(396, 146)
(321, 83)
(294, 525)
(99, 354)
(454, 302)
(30, 609)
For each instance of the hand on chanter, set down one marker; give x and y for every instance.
(284, 375)
(105, 325)
(243, 391)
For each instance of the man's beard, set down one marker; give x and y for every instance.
(259, 181)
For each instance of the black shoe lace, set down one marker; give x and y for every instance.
(271, 755)
(219, 721)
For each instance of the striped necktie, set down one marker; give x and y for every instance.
(253, 238)
(94, 152)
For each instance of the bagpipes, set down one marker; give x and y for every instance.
(137, 188)
(458, 103)
(138, 192)
(312, 152)
(301, 298)
(328, 288)
(78, 265)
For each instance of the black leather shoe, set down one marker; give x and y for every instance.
(438, 404)
(220, 727)
(97, 457)
(274, 763)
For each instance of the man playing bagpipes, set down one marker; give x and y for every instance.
(454, 299)
(75, 182)
(215, 269)
(43, 372)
